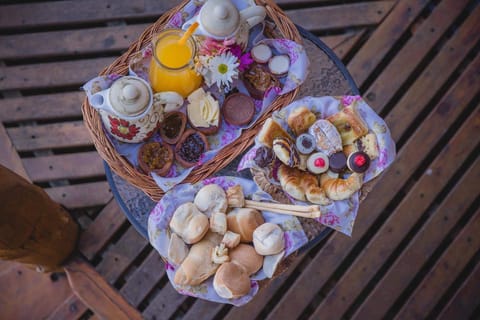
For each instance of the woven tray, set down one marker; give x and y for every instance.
(284, 27)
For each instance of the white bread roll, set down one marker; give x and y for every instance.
(245, 256)
(189, 223)
(268, 239)
(231, 239)
(231, 281)
(198, 265)
(244, 221)
(177, 249)
(211, 198)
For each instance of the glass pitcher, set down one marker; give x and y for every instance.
(172, 65)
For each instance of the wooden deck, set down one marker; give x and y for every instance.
(414, 253)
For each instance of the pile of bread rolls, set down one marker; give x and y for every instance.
(215, 236)
(319, 160)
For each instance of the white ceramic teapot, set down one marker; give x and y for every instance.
(220, 20)
(127, 109)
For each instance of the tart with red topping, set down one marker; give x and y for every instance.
(358, 162)
(318, 163)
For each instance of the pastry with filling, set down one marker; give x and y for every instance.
(300, 119)
(155, 157)
(190, 147)
(349, 124)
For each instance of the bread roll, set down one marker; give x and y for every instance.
(246, 256)
(341, 189)
(189, 223)
(270, 263)
(300, 119)
(231, 239)
(231, 281)
(349, 124)
(211, 198)
(271, 130)
(268, 239)
(235, 196)
(177, 249)
(198, 266)
(218, 222)
(244, 221)
(220, 254)
(301, 185)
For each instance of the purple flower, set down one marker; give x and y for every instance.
(245, 59)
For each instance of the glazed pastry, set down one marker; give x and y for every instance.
(349, 124)
(279, 65)
(341, 189)
(271, 130)
(358, 162)
(285, 152)
(326, 136)
(258, 79)
(155, 157)
(261, 53)
(301, 185)
(305, 143)
(203, 112)
(238, 109)
(317, 163)
(300, 119)
(337, 162)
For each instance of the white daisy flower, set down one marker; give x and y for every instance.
(223, 68)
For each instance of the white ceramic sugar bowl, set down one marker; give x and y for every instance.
(127, 109)
(220, 20)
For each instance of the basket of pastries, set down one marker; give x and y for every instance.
(193, 91)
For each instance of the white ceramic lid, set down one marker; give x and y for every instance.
(220, 17)
(129, 96)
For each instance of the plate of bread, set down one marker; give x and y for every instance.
(322, 151)
(222, 236)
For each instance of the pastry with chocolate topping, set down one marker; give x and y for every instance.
(358, 162)
(238, 109)
(338, 162)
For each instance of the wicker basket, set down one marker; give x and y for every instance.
(123, 168)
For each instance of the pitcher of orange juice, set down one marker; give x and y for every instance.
(172, 65)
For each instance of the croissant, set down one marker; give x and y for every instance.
(301, 185)
(341, 189)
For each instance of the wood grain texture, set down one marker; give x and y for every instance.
(73, 196)
(92, 289)
(72, 308)
(9, 156)
(164, 304)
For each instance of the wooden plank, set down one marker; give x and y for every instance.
(73, 196)
(144, 279)
(58, 13)
(69, 42)
(463, 303)
(50, 136)
(9, 157)
(421, 247)
(341, 16)
(338, 39)
(65, 166)
(99, 233)
(253, 309)
(343, 48)
(121, 255)
(71, 308)
(431, 80)
(51, 74)
(204, 310)
(338, 246)
(404, 63)
(399, 223)
(41, 107)
(442, 275)
(165, 303)
(96, 293)
(383, 38)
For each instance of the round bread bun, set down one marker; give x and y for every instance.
(189, 223)
(246, 256)
(268, 239)
(231, 281)
(211, 198)
(244, 221)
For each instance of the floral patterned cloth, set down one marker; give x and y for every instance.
(339, 215)
(139, 65)
(160, 216)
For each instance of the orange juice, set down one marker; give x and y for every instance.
(171, 68)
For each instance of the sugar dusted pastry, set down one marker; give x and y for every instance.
(326, 136)
(300, 119)
(349, 124)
